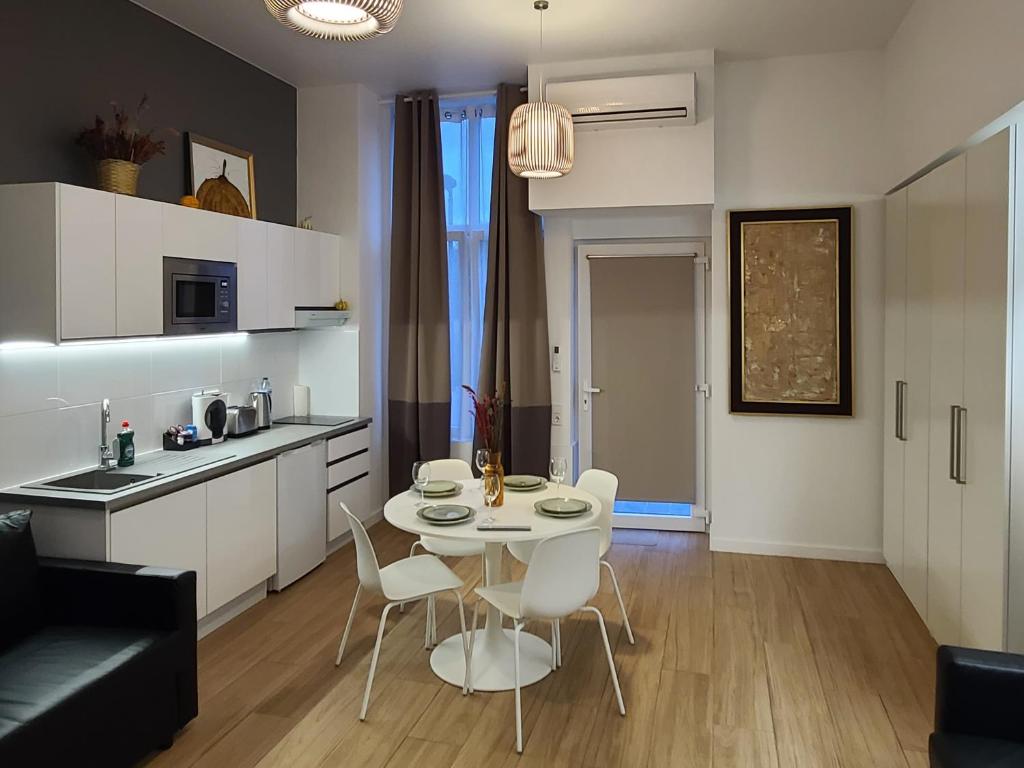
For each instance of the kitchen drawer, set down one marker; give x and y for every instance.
(346, 445)
(345, 470)
(356, 495)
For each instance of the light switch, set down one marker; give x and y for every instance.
(556, 360)
(556, 415)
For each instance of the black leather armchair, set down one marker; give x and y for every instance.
(978, 719)
(109, 672)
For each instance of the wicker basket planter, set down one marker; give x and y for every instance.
(119, 176)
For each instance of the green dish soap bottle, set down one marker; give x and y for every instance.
(125, 445)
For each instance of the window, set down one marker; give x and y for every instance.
(467, 151)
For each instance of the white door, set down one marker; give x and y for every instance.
(640, 374)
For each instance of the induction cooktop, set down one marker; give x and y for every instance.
(315, 420)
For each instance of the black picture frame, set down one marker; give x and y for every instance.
(844, 255)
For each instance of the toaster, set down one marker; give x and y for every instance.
(241, 420)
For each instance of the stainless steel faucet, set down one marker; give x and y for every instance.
(106, 451)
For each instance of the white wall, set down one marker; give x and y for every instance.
(952, 67)
(651, 166)
(149, 383)
(339, 185)
(793, 132)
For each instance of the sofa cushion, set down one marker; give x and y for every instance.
(19, 577)
(954, 750)
(55, 663)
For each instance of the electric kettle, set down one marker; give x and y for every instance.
(261, 400)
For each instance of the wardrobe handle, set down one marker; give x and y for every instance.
(954, 443)
(961, 446)
(901, 410)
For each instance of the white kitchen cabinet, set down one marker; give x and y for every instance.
(280, 276)
(308, 292)
(330, 269)
(241, 532)
(356, 495)
(253, 310)
(87, 264)
(189, 233)
(138, 266)
(169, 532)
(895, 379)
(348, 479)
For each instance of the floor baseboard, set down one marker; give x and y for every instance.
(809, 551)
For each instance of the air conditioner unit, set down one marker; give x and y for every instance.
(621, 102)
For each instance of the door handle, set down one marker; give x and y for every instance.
(592, 390)
(954, 442)
(961, 446)
(901, 410)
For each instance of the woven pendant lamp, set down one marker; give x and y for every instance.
(337, 19)
(540, 134)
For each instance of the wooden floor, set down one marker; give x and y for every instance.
(739, 661)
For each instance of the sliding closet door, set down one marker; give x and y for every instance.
(895, 379)
(944, 189)
(917, 396)
(986, 437)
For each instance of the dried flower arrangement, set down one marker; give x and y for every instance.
(489, 413)
(125, 140)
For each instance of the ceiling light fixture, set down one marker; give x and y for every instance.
(540, 137)
(337, 19)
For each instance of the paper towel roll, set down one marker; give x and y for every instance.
(300, 400)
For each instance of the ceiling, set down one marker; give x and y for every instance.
(459, 45)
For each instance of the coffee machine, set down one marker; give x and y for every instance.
(210, 415)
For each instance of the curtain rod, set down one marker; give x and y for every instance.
(467, 95)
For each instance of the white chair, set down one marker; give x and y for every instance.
(562, 577)
(457, 471)
(603, 485)
(414, 578)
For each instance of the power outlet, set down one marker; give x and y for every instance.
(556, 415)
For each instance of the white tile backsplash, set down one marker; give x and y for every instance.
(149, 383)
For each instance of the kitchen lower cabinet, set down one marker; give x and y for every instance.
(348, 480)
(241, 532)
(168, 532)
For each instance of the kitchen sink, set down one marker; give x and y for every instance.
(95, 481)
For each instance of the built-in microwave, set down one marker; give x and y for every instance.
(200, 296)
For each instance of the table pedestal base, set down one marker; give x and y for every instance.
(493, 660)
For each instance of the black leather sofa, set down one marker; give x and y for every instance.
(98, 665)
(978, 719)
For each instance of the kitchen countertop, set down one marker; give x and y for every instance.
(230, 456)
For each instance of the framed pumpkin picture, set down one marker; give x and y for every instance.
(791, 330)
(221, 177)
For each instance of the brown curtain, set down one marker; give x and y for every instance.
(419, 389)
(515, 347)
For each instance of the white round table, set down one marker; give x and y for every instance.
(493, 653)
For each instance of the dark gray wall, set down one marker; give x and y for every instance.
(64, 61)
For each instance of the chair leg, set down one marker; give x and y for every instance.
(426, 628)
(433, 621)
(472, 643)
(348, 626)
(622, 606)
(465, 640)
(373, 660)
(554, 645)
(519, 696)
(608, 653)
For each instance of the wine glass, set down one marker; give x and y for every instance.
(420, 478)
(557, 470)
(491, 487)
(481, 459)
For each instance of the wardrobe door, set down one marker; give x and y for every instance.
(985, 444)
(944, 192)
(917, 398)
(895, 379)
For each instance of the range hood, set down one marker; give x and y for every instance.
(321, 317)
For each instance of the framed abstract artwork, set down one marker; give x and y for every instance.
(221, 177)
(791, 329)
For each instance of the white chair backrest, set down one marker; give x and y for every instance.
(450, 469)
(562, 575)
(603, 485)
(366, 559)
